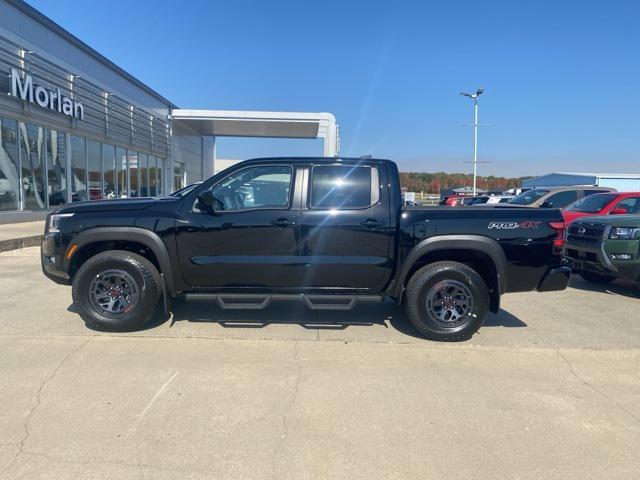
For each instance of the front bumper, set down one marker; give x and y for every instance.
(601, 259)
(555, 279)
(52, 259)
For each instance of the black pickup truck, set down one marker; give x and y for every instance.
(330, 232)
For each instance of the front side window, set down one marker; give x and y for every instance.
(631, 205)
(344, 187)
(562, 199)
(254, 187)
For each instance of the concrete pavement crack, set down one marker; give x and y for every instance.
(285, 416)
(596, 389)
(36, 405)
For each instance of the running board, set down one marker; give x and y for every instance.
(247, 301)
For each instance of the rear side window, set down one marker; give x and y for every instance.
(344, 187)
(562, 199)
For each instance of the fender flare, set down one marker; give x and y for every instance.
(478, 243)
(148, 238)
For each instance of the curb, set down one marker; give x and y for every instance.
(23, 242)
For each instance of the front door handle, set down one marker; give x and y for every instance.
(282, 222)
(372, 223)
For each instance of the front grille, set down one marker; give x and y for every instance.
(581, 232)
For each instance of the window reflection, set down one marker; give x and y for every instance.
(143, 160)
(78, 170)
(134, 174)
(9, 174)
(44, 168)
(153, 178)
(122, 185)
(95, 172)
(32, 156)
(109, 166)
(160, 171)
(56, 168)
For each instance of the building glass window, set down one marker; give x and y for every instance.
(153, 179)
(94, 160)
(143, 160)
(9, 170)
(122, 184)
(178, 176)
(78, 169)
(56, 168)
(109, 169)
(160, 172)
(32, 160)
(134, 174)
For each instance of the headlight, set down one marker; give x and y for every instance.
(625, 233)
(54, 221)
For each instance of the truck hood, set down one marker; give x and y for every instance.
(613, 220)
(121, 204)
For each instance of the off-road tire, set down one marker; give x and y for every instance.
(422, 282)
(143, 272)
(592, 277)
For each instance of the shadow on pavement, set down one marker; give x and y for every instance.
(625, 288)
(386, 314)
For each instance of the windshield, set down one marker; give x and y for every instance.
(528, 197)
(592, 203)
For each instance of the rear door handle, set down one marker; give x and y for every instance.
(282, 222)
(372, 223)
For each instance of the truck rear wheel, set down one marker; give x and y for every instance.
(117, 290)
(447, 301)
(596, 277)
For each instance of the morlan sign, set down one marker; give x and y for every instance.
(25, 89)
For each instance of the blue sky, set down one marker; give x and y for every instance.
(562, 78)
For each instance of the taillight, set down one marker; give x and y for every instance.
(561, 236)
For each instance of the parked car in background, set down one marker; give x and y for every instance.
(555, 197)
(612, 203)
(491, 200)
(604, 248)
(451, 201)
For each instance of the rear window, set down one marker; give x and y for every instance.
(344, 187)
(529, 197)
(592, 203)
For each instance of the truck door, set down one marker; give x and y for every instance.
(250, 239)
(346, 231)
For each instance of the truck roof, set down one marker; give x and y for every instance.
(328, 160)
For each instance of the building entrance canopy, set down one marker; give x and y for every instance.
(230, 123)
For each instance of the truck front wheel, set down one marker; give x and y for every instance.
(117, 290)
(447, 301)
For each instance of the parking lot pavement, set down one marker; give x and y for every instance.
(549, 388)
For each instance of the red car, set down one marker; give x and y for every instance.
(613, 203)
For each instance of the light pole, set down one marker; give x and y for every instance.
(474, 96)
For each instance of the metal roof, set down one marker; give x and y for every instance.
(75, 41)
(597, 175)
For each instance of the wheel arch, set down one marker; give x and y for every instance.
(95, 240)
(483, 254)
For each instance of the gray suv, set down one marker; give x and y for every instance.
(555, 197)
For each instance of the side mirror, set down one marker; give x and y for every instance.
(205, 202)
(546, 205)
(618, 211)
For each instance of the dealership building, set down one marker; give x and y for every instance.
(74, 126)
